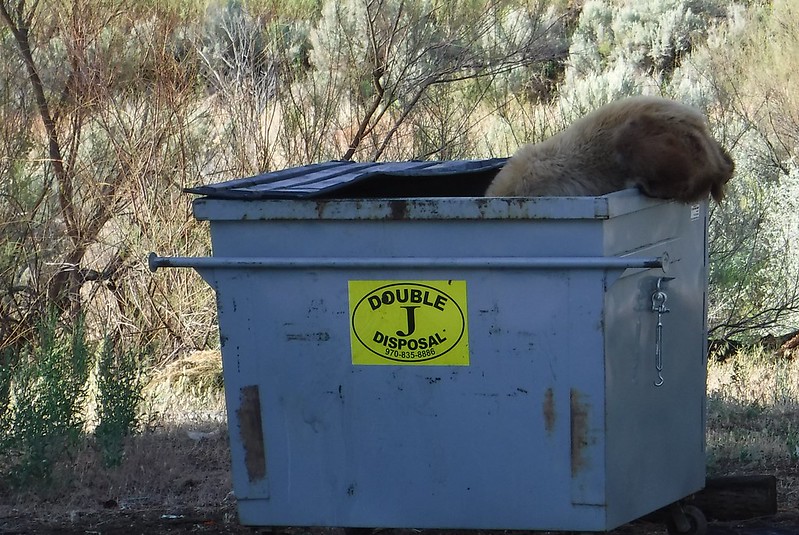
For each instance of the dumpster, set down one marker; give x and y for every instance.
(401, 352)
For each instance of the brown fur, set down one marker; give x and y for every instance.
(660, 146)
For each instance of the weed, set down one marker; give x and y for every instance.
(119, 393)
(44, 420)
(49, 388)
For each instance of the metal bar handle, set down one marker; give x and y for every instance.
(588, 262)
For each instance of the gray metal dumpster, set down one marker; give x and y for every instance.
(441, 360)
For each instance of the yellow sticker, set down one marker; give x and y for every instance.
(409, 322)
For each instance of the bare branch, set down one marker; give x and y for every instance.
(20, 30)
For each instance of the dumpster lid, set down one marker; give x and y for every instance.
(340, 180)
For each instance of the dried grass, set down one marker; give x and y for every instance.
(753, 418)
(187, 389)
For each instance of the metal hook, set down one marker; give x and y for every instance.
(659, 381)
(659, 298)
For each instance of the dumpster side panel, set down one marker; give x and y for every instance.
(656, 433)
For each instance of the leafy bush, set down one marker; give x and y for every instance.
(50, 391)
(753, 235)
(119, 394)
(44, 420)
(622, 48)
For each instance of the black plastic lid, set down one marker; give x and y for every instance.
(352, 180)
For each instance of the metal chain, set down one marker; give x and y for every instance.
(659, 299)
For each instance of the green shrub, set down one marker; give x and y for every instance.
(44, 420)
(119, 394)
(50, 391)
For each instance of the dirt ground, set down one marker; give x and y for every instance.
(223, 522)
(112, 519)
(178, 482)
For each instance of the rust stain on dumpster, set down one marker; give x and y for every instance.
(578, 411)
(251, 432)
(399, 209)
(549, 410)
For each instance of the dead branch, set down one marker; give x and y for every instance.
(19, 25)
